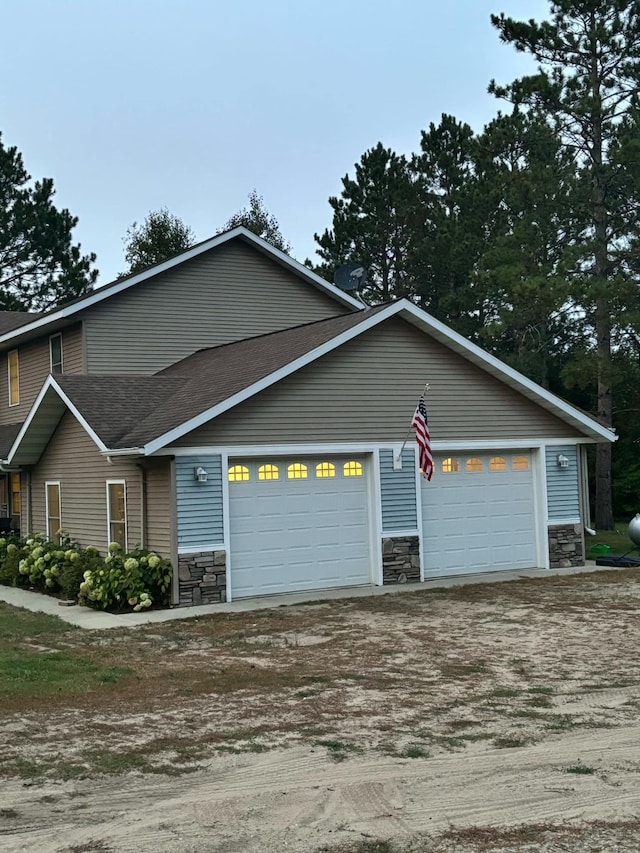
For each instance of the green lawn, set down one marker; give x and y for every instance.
(618, 540)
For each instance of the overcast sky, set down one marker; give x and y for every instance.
(133, 105)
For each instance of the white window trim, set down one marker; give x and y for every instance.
(126, 523)
(51, 337)
(9, 354)
(48, 483)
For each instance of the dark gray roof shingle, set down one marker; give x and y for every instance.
(130, 411)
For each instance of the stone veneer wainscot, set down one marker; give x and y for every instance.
(202, 577)
(566, 546)
(400, 559)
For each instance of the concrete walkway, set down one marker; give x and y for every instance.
(85, 617)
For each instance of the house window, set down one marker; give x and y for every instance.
(325, 469)
(238, 474)
(474, 464)
(352, 469)
(297, 471)
(268, 472)
(14, 378)
(520, 463)
(117, 512)
(55, 353)
(15, 499)
(450, 465)
(497, 463)
(52, 502)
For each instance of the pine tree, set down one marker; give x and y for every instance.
(373, 222)
(39, 265)
(588, 84)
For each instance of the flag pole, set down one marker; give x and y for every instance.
(406, 438)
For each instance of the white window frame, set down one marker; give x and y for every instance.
(48, 483)
(9, 354)
(122, 483)
(51, 337)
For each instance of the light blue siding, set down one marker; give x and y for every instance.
(199, 505)
(562, 484)
(398, 492)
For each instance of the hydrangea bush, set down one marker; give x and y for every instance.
(136, 579)
(119, 581)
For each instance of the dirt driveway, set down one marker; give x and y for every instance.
(495, 717)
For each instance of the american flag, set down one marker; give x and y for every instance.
(423, 438)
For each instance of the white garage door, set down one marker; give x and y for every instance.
(298, 524)
(478, 514)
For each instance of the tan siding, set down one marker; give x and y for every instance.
(72, 346)
(224, 295)
(34, 365)
(72, 457)
(367, 390)
(159, 516)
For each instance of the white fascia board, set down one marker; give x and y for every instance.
(251, 450)
(267, 381)
(118, 286)
(478, 355)
(51, 383)
(419, 318)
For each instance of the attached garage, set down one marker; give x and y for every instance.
(298, 524)
(478, 514)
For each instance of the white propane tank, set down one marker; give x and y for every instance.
(634, 529)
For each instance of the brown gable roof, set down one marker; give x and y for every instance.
(112, 405)
(129, 411)
(10, 320)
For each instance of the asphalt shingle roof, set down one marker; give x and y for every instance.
(10, 320)
(130, 411)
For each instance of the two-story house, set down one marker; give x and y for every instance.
(245, 418)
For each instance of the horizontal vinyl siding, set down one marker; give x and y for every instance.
(199, 505)
(562, 484)
(72, 457)
(398, 492)
(367, 390)
(159, 516)
(72, 349)
(34, 365)
(226, 294)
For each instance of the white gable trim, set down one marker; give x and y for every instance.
(426, 323)
(118, 286)
(52, 384)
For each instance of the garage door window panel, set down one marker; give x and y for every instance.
(520, 463)
(352, 469)
(325, 469)
(450, 465)
(238, 474)
(297, 471)
(268, 472)
(474, 464)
